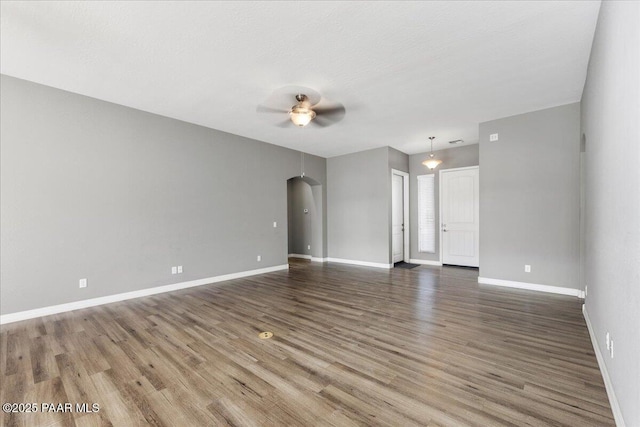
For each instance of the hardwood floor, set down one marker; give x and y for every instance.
(351, 346)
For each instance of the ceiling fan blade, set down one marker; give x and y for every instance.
(265, 109)
(320, 122)
(284, 124)
(334, 113)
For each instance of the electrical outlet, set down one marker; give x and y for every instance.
(611, 349)
(179, 269)
(275, 224)
(82, 283)
(174, 270)
(309, 247)
(493, 137)
(608, 341)
(527, 268)
(586, 290)
(259, 258)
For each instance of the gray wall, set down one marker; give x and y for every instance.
(530, 197)
(304, 228)
(97, 190)
(358, 198)
(610, 123)
(456, 157)
(398, 161)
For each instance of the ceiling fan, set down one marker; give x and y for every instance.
(305, 112)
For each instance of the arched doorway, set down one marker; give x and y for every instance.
(305, 218)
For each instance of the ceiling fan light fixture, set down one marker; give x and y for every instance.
(301, 116)
(319, 111)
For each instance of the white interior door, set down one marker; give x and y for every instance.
(397, 217)
(460, 212)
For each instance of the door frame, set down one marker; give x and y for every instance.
(405, 208)
(440, 205)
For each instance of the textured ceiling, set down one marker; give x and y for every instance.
(403, 70)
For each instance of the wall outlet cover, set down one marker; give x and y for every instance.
(83, 283)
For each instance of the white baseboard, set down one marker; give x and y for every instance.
(312, 258)
(300, 256)
(425, 262)
(613, 400)
(362, 263)
(54, 309)
(531, 286)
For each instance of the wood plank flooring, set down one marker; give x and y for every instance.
(352, 346)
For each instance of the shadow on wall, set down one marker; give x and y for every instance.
(304, 214)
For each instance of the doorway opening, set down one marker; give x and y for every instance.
(399, 218)
(305, 218)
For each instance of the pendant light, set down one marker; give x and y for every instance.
(432, 162)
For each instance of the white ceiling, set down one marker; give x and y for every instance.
(403, 70)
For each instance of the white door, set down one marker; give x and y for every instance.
(397, 217)
(460, 208)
